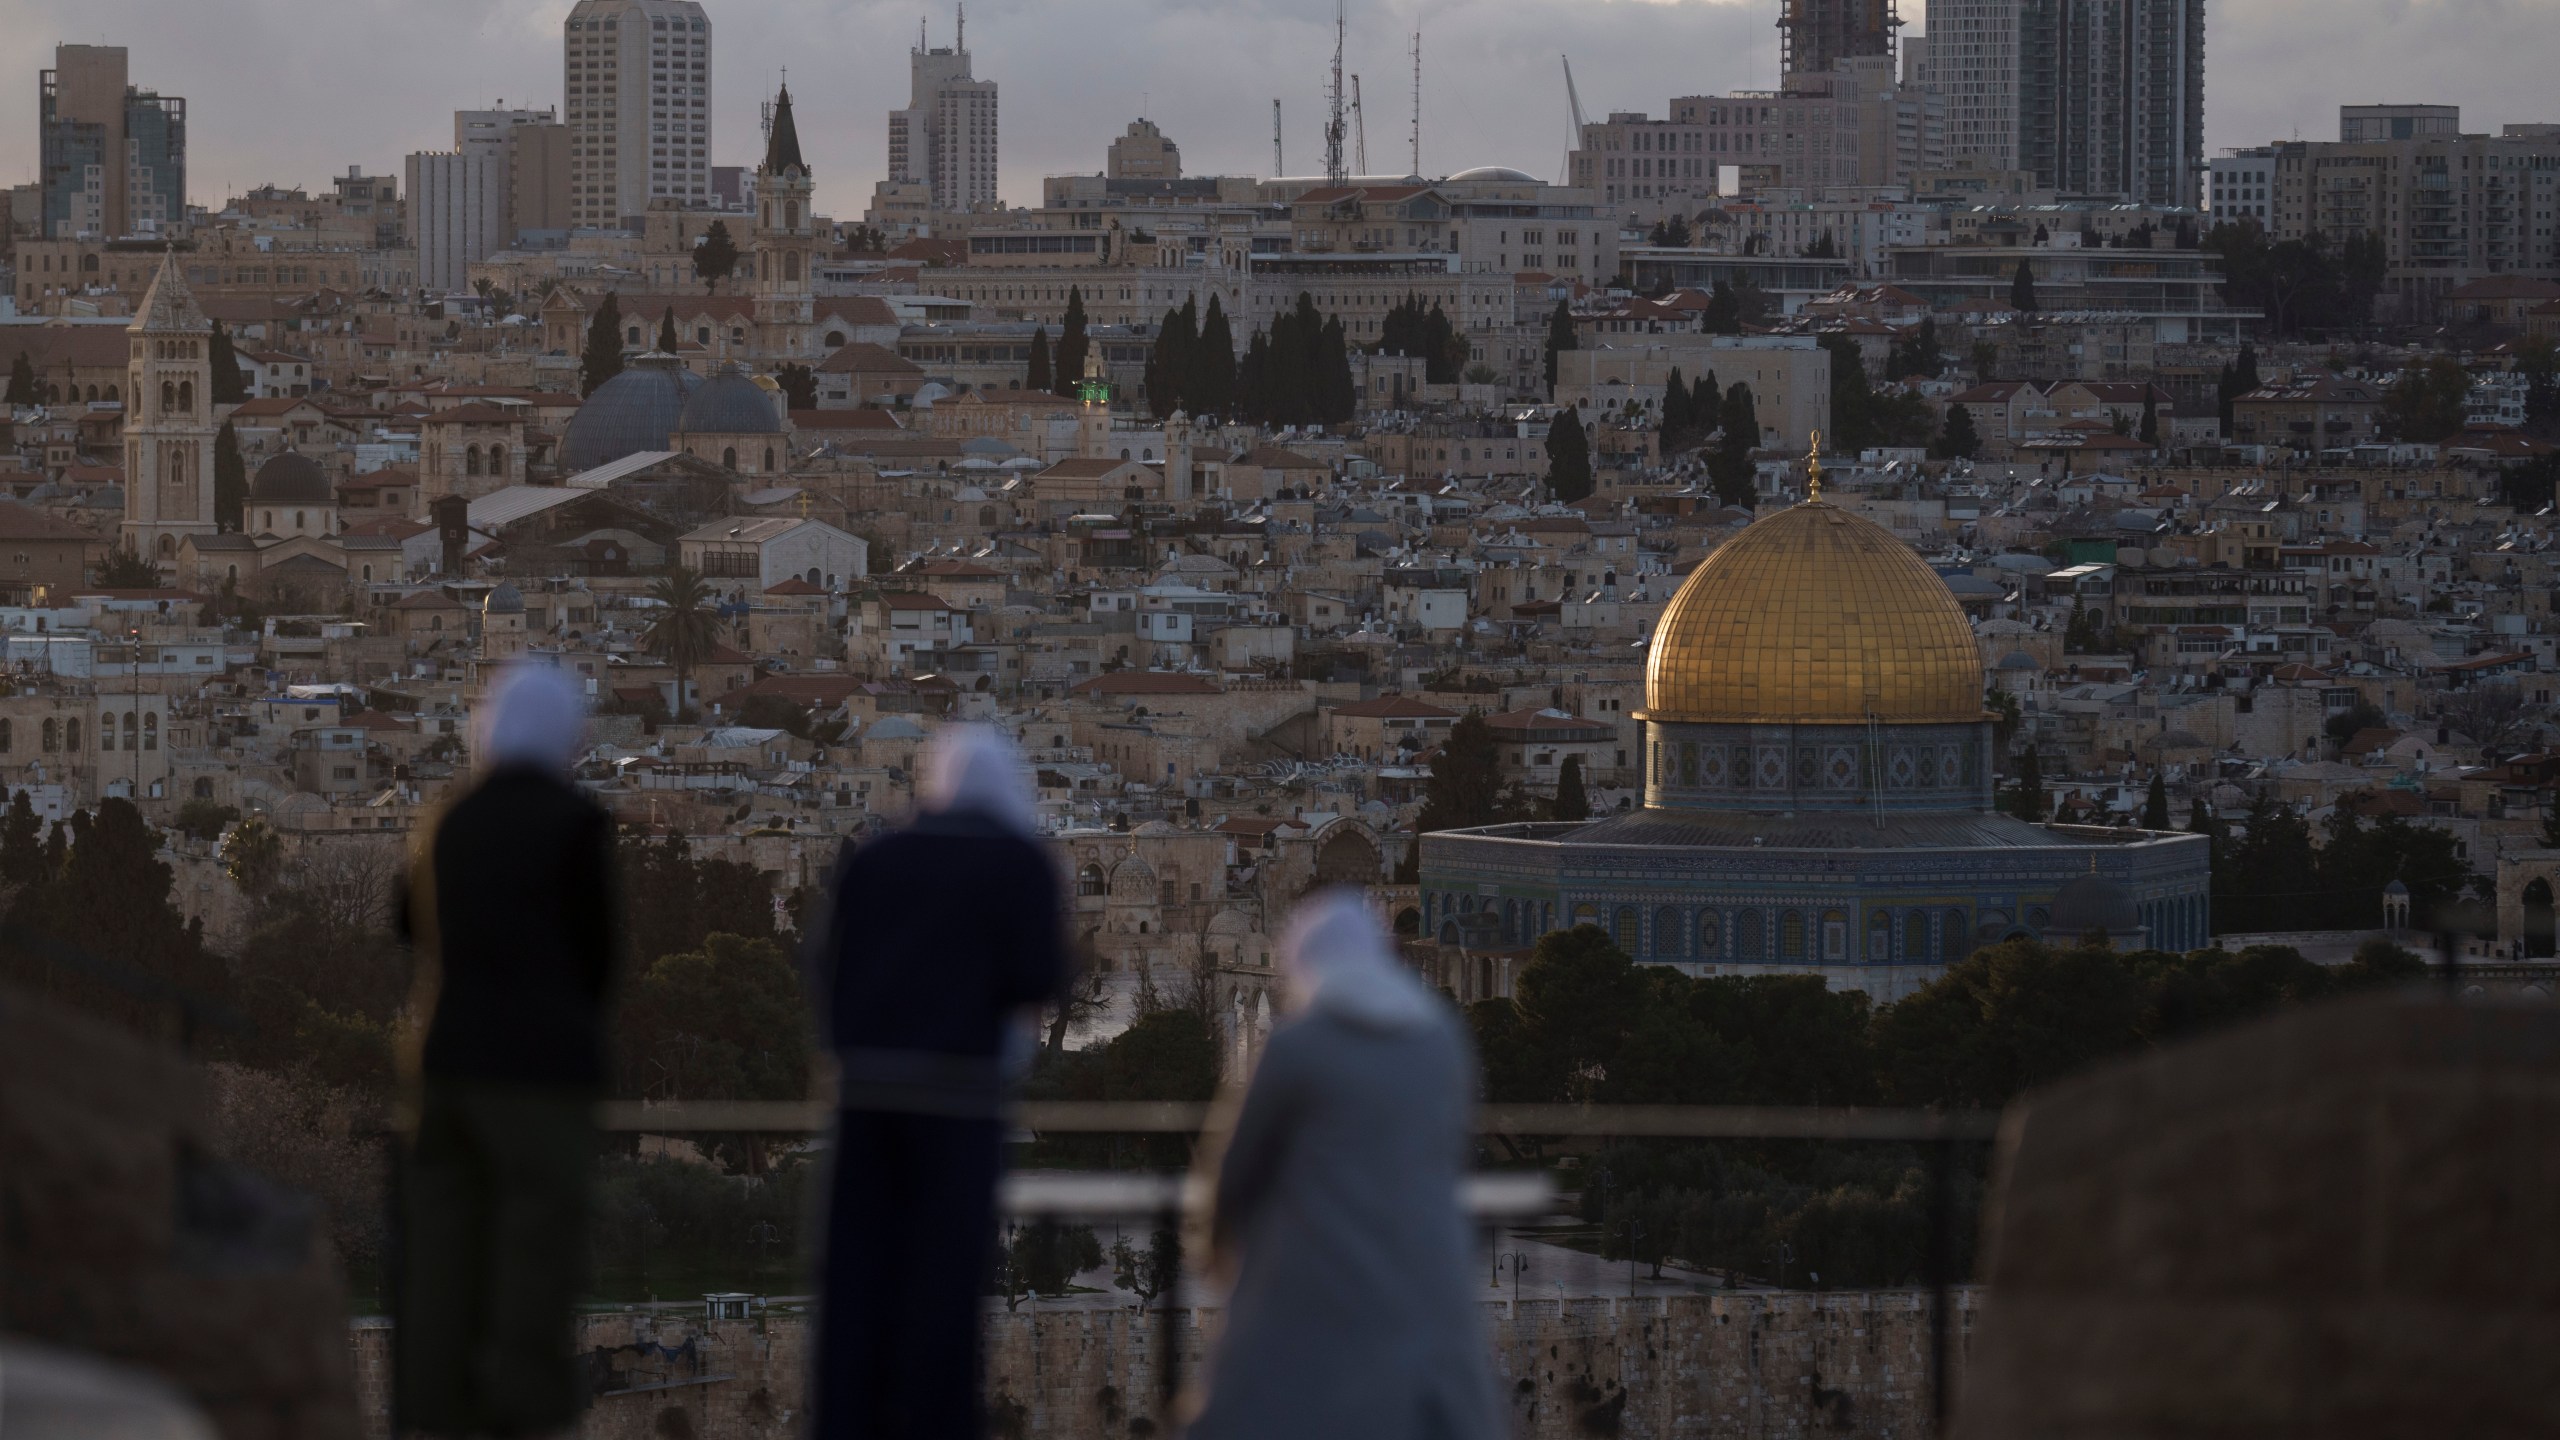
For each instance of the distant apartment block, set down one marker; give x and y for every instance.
(2091, 97)
(946, 137)
(637, 96)
(113, 158)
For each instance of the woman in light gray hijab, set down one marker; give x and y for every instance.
(1352, 1316)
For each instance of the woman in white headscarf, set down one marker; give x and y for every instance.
(1336, 1211)
(511, 904)
(938, 939)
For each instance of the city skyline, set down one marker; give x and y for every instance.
(850, 65)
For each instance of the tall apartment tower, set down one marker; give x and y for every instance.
(946, 137)
(2091, 97)
(113, 158)
(462, 201)
(169, 426)
(1814, 34)
(637, 96)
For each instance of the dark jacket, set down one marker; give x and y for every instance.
(519, 882)
(936, 936)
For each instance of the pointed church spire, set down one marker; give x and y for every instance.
(169, 305)
(782, 148)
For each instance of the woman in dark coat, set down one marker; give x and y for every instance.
(512, 907)
(1353, 1314)
(941, 941)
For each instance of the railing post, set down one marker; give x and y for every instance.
(1941, 1263)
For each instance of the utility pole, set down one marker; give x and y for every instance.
(1334, 168)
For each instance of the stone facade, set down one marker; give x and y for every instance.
(1847, 1364)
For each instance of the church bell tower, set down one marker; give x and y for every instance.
(169, 427)
(786, 241)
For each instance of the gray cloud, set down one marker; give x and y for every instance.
(292, 91)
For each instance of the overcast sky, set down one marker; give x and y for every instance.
(293, 91)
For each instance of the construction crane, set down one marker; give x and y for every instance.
(1573, 103)
(1277, 169)
(1359, 131)
(1335, 168)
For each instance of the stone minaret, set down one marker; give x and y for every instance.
(169, 426)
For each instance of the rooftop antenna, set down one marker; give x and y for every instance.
(1333, 131)
(960, 27)
(1417, 105)
(1359, 130)
(1277, 168)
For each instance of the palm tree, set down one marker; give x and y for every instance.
(685, 629)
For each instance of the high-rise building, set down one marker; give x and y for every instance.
(946, 137)
(169, 423)
(2091, 97)
(637, 95)
(1143, 154)
(462, 202)
(114, 159)
(1813, 35)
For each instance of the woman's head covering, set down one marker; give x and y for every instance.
(533, 717)
(975, 769)
(1337, 959)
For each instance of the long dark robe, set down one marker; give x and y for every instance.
(937, 937)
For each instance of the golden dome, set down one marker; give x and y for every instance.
(1813, 615)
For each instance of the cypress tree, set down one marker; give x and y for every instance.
(1568, 457)
(230, 481)
(602, 359)
(667, 331)
(1445, 350)
(1675, 411)
(1704, 397)
(1724, 311)
(22, 381)
(1571, 801)
(1167, 361)
(1337, 394)
(1738, 426)
(1214, 366)
(2155, 804)
(1465, 788)
(1560, 338)
(2029, 796)
(227, 386)
(1072, 344)
(2150, 432)
(1957, 440)
(2022, 288)
(1038, 376)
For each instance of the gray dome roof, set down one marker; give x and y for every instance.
(729, 403)
(1495, 172)
(506, 599)
(2092, 902)
(291, 478)
(634, 411)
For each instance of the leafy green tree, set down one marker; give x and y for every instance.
(21, 843)
(200, 819)
(226, 384)
(799, 385)
(1724, 311)
(716, 258)
(101, 933)
(1040, 374)
(1568, 457)
(1571, 802)
(2426, 403)
(1579, 998)
(685, 630)
(123, 568)
(2155, 804)
(602, 359)
(1465, 786)
(230, 481)
(1214, 364)
(1560, 337)
(2022, 288)
(1073, 344)
(1043, 1258)
(23, 389)
(2010, 1016)
(726, 1022)
(253, 858)
(2027, 800)
(1152, 1271)
(1958, 440)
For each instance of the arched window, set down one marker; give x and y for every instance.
(1668, 932)
(1952, 945)
(1835, 935)
(52, 737)
(1879, 938)
(729, 456)
(132, 731)
(204, 787)
(471, 460)
(268, 523)
(631, 334)
(168, 547)
(834, 338)
(1624, 926)
(112, 395)
(1749, 935)
(186, 397)
(1089, 881)
(790, 214)
(1791, 935)
(168, 395)
(150, 732)
(93, 391)
(497, 459)
(768, 457)
(71, 733)
(1586, 915)
(701, 334)
(1710, 936)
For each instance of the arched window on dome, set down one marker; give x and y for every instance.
(1879, 938)
(1710, 935)
(1791, 935)
(1953, 943)
(1667, 933)
(1750, 935)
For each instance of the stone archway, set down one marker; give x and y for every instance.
(2538, 919)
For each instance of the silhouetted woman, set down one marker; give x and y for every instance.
(1336, 1214)
(940, 939)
